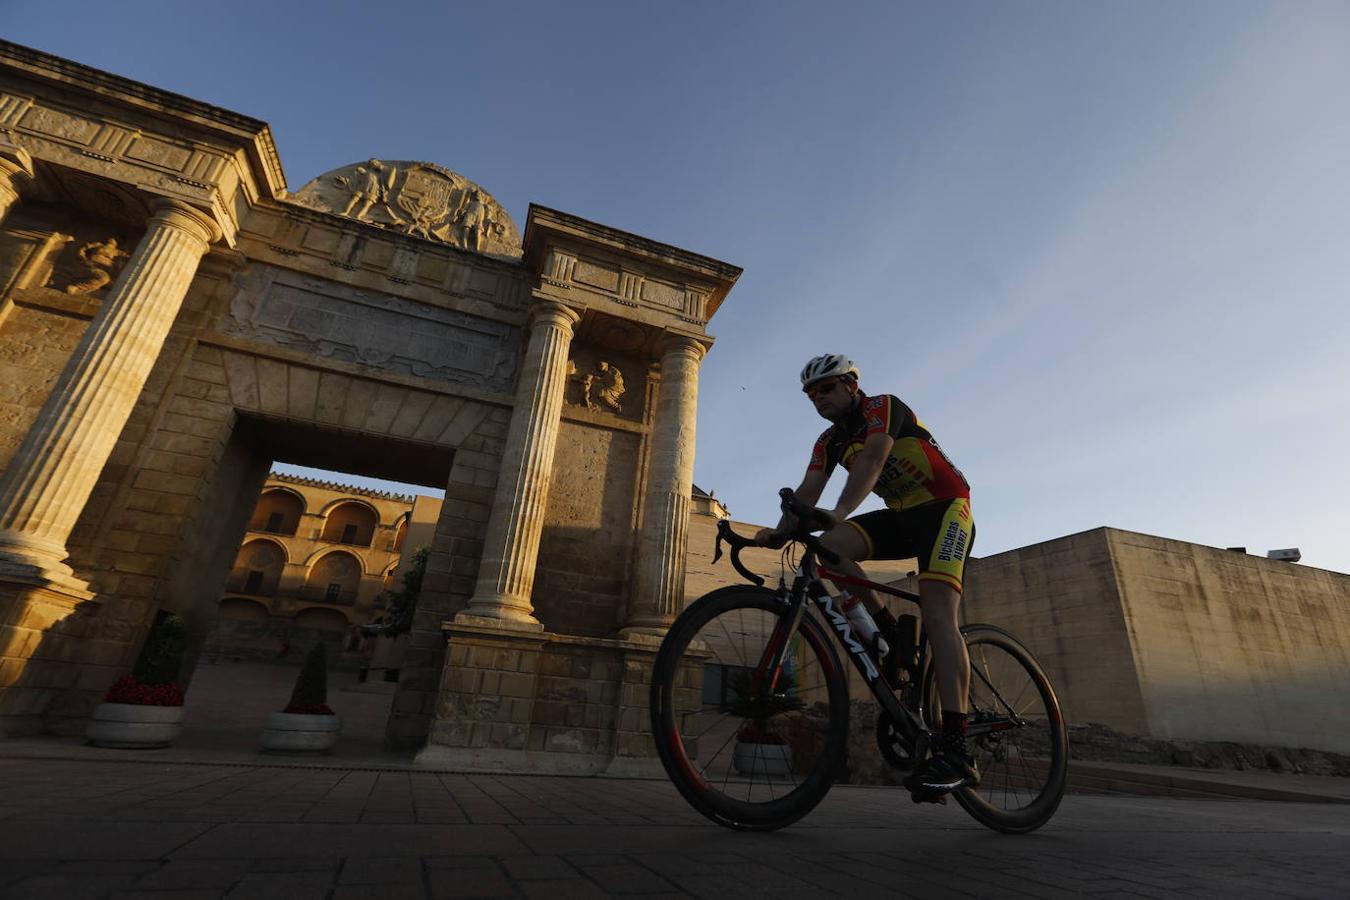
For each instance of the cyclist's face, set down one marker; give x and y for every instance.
(832, 398)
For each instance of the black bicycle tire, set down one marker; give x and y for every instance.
(1043, 808)
(718, 807)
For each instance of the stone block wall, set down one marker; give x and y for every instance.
(542, 702)
(586, 549)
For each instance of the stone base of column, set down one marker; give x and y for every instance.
(651, 633)
(499, 611)
(29, 563)
(53, 666)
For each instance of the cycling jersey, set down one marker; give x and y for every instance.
(916, 471)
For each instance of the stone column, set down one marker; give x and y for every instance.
(47, 483)
(16, 168)
(658, 583)
(511, 545)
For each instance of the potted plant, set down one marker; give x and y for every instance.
(307, 723)
(761, 749)
(144, 710)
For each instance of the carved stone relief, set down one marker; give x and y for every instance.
(599, 385)
(86, 262)
(373, 329)
(101, 261)
(419, 199)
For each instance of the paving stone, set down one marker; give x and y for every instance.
(454, 883)
(382, 870)
(529, 868)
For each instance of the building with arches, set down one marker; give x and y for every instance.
(315, 562)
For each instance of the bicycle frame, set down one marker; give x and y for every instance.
(807, 584)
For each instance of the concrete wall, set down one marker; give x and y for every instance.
(1236, 647)
(1061, 599)
(1175, 640)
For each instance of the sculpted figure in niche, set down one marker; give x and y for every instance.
(601, 389)
(611, 389)
(99, 258)
(370, 187)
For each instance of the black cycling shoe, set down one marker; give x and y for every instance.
(944, 771)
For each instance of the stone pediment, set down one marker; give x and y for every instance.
(416, 198)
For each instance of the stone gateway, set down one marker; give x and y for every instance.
(173, 320)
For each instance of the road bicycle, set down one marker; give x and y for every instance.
(750, 711)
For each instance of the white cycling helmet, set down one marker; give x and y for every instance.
(826, 366)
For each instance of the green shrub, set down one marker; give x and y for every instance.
(162, 655)
(401, 604)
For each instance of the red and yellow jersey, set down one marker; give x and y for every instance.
(916, 472)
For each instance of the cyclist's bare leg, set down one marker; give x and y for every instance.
(849, 544)
(951, 662)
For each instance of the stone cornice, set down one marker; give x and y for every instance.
(543, 223)
(249, 134)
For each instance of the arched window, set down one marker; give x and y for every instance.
(400, 533)
(335, 578)
(278, 512)
(257, 569)
(350, 523)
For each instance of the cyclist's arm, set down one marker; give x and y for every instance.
(863, 473)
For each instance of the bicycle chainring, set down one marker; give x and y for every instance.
(896, 748)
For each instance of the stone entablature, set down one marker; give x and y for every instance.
(624, 276)
(103, 128)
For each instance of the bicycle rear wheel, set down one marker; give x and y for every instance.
(1017, 734)
(743, 756)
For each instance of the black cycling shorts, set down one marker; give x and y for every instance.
(939, 535)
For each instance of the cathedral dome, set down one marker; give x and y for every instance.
(416, 198)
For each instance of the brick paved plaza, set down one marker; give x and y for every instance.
(82, 828)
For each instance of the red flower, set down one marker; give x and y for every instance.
(128, 690)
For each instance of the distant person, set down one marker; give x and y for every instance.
(889, 452)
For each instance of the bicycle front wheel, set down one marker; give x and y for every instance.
(1016, 733)
(743, 753)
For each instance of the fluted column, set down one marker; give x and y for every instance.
(511, 545)
(47, 483)
(16, 168)
(658, 584)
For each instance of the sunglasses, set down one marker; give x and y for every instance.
(827, 387)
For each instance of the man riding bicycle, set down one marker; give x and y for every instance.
(888, 451)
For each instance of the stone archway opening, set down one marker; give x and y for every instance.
(312, 558)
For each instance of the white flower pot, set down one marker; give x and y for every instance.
(762, 759)
(134, 725)
(296, 731)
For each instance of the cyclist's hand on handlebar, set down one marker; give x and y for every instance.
(771, 538)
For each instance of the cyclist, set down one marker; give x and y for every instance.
(889, 452)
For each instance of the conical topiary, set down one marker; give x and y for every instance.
(310, 696)
(154, 679)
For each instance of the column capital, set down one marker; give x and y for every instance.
(15, 163)
(196, 222)
(551, 312)
(688, 344)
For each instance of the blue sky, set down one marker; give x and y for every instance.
(1103, 249)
